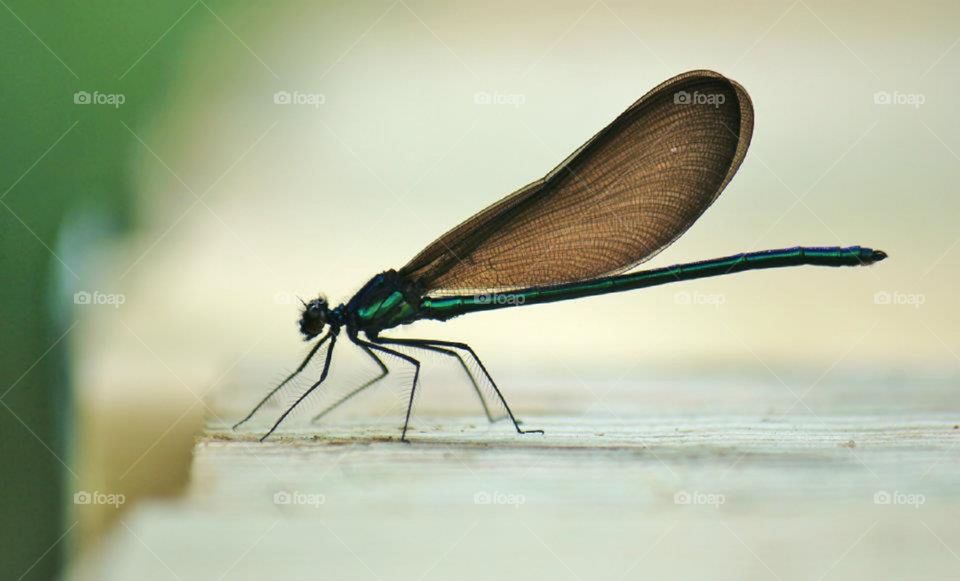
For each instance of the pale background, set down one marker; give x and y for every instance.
(298, 199)
(301, 199)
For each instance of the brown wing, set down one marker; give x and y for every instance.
(617, 201)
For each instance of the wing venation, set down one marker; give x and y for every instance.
(615, 202)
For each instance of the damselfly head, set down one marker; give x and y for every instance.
(314, 317)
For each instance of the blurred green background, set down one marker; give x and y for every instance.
(264, 151)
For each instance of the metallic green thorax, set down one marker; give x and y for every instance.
(446, 307)
(389, 312)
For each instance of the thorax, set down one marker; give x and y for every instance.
(387, 300)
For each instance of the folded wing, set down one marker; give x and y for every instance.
(617, 201)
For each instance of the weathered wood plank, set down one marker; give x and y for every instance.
(599, 497)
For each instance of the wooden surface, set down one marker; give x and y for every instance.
(637, 493)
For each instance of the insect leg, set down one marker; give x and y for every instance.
(416, 374)
(285, 381)
(483, 368)
(428, 345)
(383, 373)
(323, 375)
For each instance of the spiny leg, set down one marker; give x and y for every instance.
(416, 374)
(424, 344)
(323, 375)
(285, 381)
(483, 368)
(383, 373)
